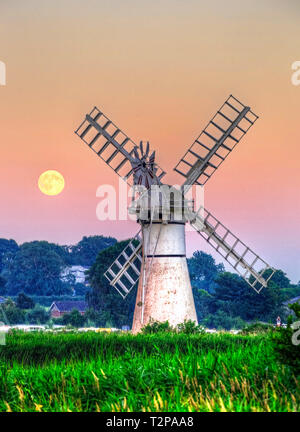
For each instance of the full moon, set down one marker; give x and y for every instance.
(51, 182)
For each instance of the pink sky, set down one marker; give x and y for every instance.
(160, 70)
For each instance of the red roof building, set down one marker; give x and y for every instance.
(59, 308)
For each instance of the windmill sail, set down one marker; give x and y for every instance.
(110, 144)
(124, 272)
(247, 263)
(231, 122)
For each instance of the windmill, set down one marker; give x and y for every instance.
(156, 257)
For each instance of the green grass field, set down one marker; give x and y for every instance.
(163, 372)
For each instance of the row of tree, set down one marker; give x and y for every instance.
(221, 298)
(23, 311)
(36, 267)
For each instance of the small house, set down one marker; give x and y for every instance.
(59, 308)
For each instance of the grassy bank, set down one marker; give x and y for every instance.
(37, 348)
(111, 372)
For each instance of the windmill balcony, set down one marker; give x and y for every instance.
(166, 205)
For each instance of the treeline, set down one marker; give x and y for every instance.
(222, 299)
(35, 268)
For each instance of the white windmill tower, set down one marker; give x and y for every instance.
(156, 257)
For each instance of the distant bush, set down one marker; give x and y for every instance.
(220, 320)
(24, 302)
(157, 327)
(37, 315)
(74, 319)
(11, 313)
(257, 327)
(187, 327)
(285, 349)
(94, 318)
(190, 327)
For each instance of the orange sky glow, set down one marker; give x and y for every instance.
(159, 70)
